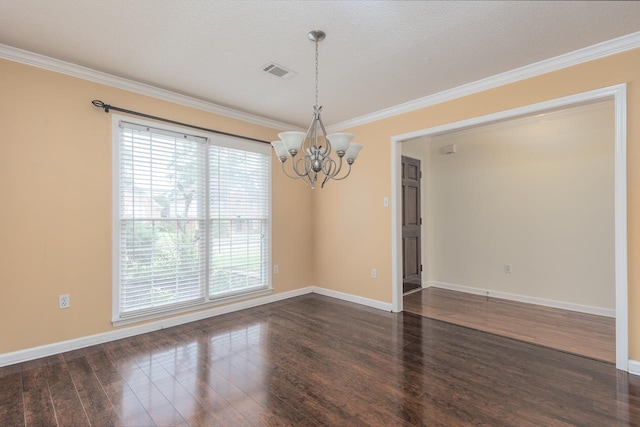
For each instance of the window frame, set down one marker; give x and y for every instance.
(117, 317)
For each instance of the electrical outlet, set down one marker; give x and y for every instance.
(276, 269)
(374, 273)
(64, 301)
(386, 201)
(507, 268)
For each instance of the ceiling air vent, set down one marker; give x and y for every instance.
(278, 71)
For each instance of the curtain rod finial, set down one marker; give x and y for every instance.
(101, 104)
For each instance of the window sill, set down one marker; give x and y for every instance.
(191, 308)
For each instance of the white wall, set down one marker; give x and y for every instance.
(536, 193)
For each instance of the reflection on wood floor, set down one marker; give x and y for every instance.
(578, 333)
(314, 360)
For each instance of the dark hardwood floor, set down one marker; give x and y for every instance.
(579, 333)
(314, 360)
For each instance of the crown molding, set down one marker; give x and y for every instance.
(41, 61)
(590, 53)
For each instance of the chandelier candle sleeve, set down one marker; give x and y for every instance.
(315, 146)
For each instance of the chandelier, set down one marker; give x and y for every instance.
(323, 156)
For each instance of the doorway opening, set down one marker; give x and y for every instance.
(618, 95)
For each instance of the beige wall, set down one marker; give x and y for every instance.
(352, 220)
(535, 193)
(55, 188)
(55, 174)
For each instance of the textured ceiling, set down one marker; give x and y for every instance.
(376, 54)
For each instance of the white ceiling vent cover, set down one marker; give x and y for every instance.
(278, 71)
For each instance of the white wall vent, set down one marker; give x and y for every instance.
(278, 71)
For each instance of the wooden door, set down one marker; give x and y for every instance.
(411, 222)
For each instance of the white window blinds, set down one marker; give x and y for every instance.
(193, 222)
(239, 219)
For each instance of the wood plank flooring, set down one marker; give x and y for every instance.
(578, 333)
(315, 361)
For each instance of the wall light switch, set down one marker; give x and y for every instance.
(386, 201)
(276, 269)
(374, 273)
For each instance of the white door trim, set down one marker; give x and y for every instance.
(619, 95)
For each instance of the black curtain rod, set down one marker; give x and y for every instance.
(107, 107)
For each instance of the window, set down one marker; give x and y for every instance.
(191, 219)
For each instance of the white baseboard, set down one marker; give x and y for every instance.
(129, 331)
(599, 311)
(634, 367)
(116, 334)
(386, 306)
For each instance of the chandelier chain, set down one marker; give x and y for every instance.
(316, 72)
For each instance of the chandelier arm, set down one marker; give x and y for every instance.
(308, 165)
(294, 165)
(313, 177)
(327, 177)
(290, 176)
(306, 145)
(330, 168)
(327, 149)
(341, 178)
(314, 135)
(324, 131)
(305, 180)
(311, 174)
(304, 176)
